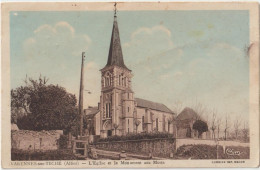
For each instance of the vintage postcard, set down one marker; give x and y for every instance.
(130, 85)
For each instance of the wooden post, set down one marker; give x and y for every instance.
(85, 149)
(81, 91)
(74, 147)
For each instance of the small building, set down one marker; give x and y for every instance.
(93, 120)
(185, 121)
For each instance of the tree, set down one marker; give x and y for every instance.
(213, 123)
(177, 107)
(137, 123)
(200, 126)
(226, 126)
(219, 122)
(237, 125)
(171, 120)
(200, 109)
(245, 132)
(115, 127)
(46, 107)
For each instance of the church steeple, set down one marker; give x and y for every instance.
(115, 55)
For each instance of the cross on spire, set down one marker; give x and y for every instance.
(115, 9)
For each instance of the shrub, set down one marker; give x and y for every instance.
(200, 152)
(137, 136)
(200, 126)
(63, 142)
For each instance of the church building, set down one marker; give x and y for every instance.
(119, 112)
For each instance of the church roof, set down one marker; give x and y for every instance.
(152, 105)
(187, 113)
(91, 111)
(115, 55)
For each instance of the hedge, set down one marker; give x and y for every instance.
(136, 136)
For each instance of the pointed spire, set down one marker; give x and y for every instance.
(115, 55)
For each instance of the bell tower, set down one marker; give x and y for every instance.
(116, 100)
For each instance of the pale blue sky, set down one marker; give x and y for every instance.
(183, 56)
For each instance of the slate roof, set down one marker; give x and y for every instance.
(187, 113)
(115, 55)
(90, 112)
(152, 105)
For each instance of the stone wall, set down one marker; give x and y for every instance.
(35, 140)
(158, 147)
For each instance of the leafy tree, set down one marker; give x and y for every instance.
(200, 126)
(44, 107)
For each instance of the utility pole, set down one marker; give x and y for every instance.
(81, 91)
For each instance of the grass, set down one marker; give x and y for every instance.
(62, 154)
(210, 152)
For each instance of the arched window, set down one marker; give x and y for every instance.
(119, 77)
(108, 110)
(108, 79)
(104, 81)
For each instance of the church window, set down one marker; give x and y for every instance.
(107, 79)
(128, 109)
(122, 79)
(164, 124)
(157, 123)
(119, 79)
(143, 122)
(169, 125)
(128, 125)
(108, 110)
(128, 95)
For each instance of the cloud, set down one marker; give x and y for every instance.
(15, 14)
(55, 41)
(55, 52)
(156, 34)
(154, 54)
(150, 46)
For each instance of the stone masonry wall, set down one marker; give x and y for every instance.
(35, 140)
(158, 147)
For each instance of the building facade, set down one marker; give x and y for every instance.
(119, 112)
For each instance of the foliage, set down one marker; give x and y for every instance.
(199, 152)
(63, 141)
(210, 152)
(136, 136)
(200, 126)
(45, 107)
